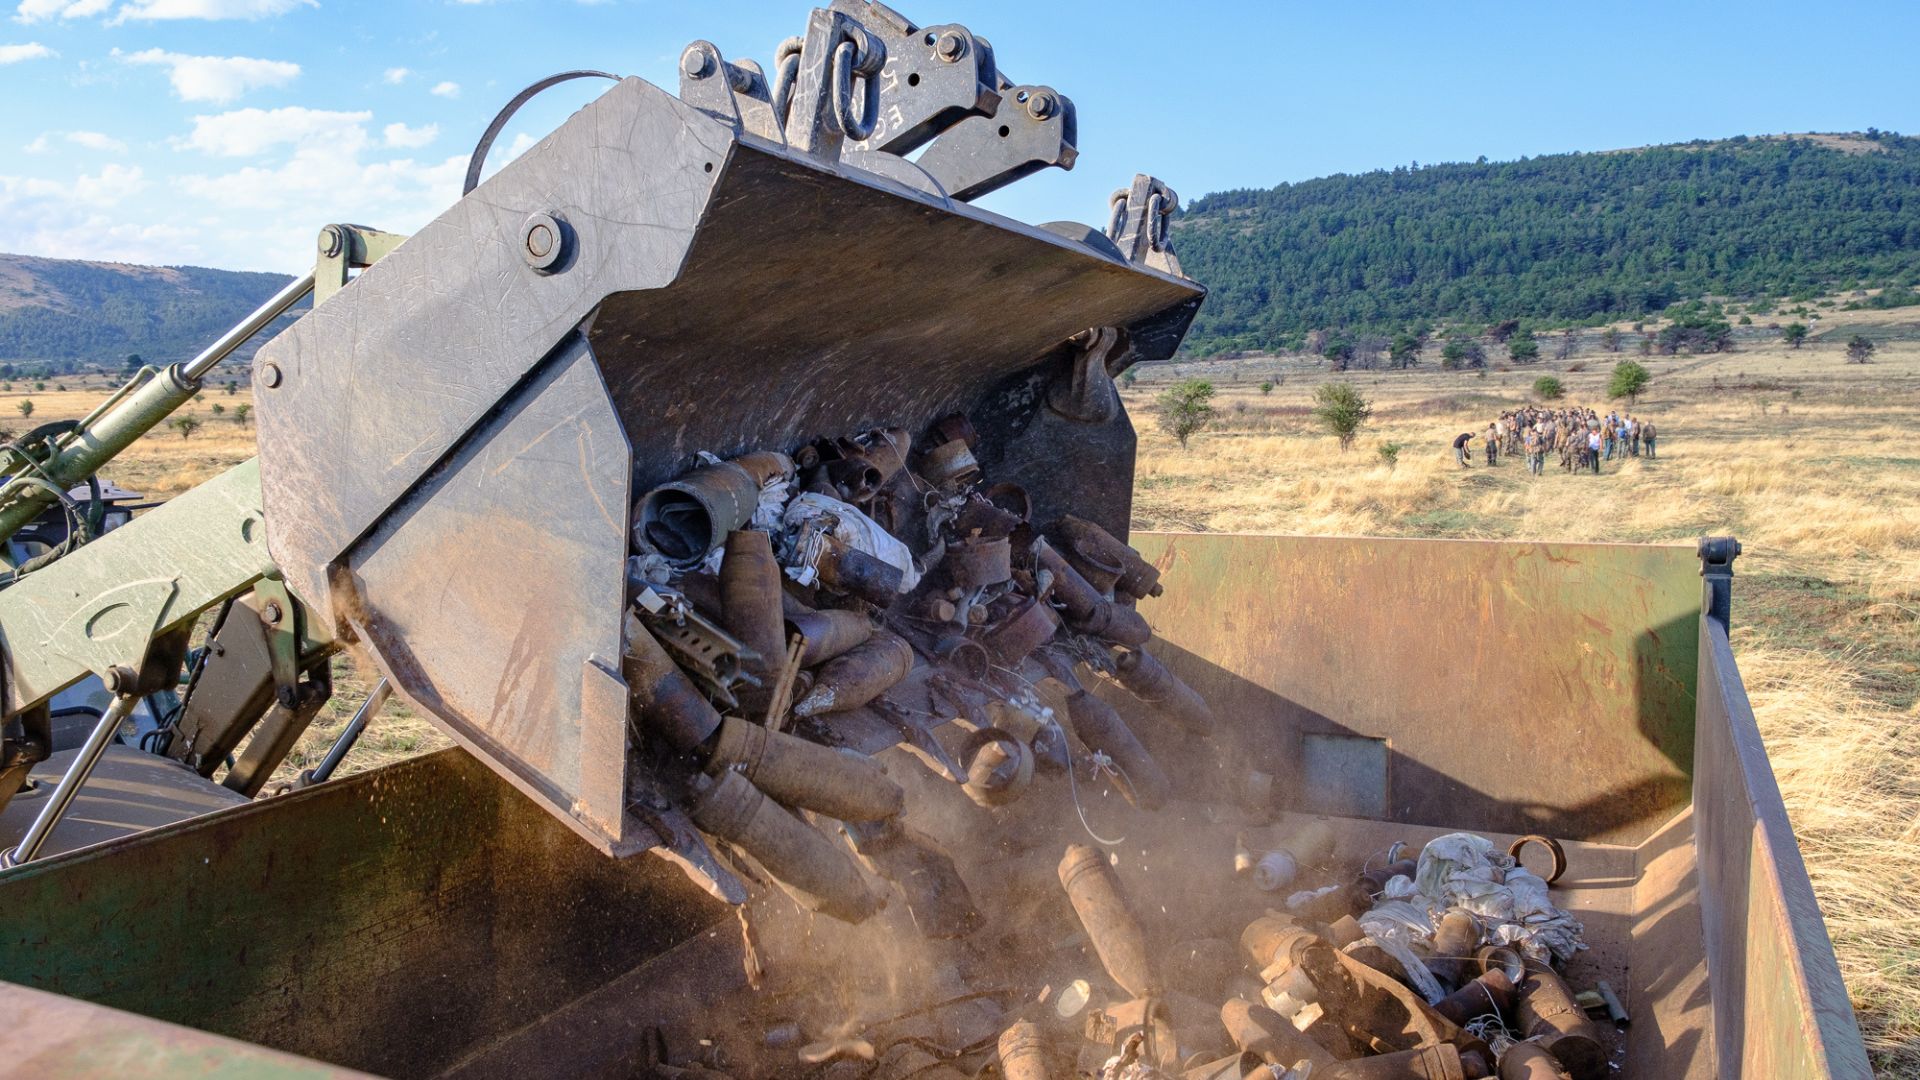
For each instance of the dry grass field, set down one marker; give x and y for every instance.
(1814, 463)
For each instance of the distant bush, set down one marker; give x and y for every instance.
(1548, 388)
(1390, 453)
(1629, 379)
(1342, 410)
(1185, 409)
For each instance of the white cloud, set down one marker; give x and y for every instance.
(111, 186)
(94, 140)
(91, 140)
(32, 11)
(218, 79)
(249, 132)
(446, 90)
(396, 76)
(207, 9)
(403, 137)
(32, 50)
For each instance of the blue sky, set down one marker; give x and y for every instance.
(225, 132)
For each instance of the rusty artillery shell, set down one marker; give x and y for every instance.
(828, 633)
(766, 466)
(813, 869)
(1023, 1052)
(797, 772)
(1138, 577)
(1260, 1031)
(1529, 1061)
(685, 518)
(664, 700)
(1490, 993)
(951, 462)
(955, 426)
(1089, 612)
(858, 675)
(976, 562)
(1094, 889)
(858, 574)
(1454, 943)
(1548, 1014)
(1097, 725)
(855, 480)
(1344, 931)
(1272, 938)
(1032, 626)
(1147, 679)
(1504, 958)
(934, 891)
(1099, 573)
(1438, 1062)
(750, 597)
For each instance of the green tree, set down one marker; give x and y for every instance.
(1186, 408)
(1390, 453)
(1794, 334)
(242, 414)
(1859, 349)
(1548, 387)
(134, 363)
(1405, 350)
(1128, 378)
(1342, 410)
(1629, 379)
(218, 408)
(39, 388)
(1462, 352)
(1522, 348)
(185, 425)
(26, 408)
(1610, 339)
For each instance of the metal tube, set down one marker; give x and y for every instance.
(337, 753)
(296, 291)
(77, 773)
(82, 453)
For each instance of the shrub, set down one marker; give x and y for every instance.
(1186, 408)
(1629, 379)
(1548, 387)
(1342, 410)
(185, 425)
(1390, 453)
(1860, 349)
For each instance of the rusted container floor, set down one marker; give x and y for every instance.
(906, 994)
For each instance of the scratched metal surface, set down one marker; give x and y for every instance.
(494, 596)
(1780, 1007)
(1521, 687)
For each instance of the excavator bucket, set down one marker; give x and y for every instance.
(452, 446)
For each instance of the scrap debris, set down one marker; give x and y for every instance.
(789, 605)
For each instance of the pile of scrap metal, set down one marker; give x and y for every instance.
(1419, 969)
(789, 604)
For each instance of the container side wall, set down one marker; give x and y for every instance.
(388, 922)
(1780, 1007)
(1507, 687)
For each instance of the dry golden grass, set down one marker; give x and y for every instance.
(1812, 462)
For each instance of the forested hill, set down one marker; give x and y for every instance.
(98, 313)
(1569, 238)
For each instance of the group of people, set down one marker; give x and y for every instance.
(1582, 437)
